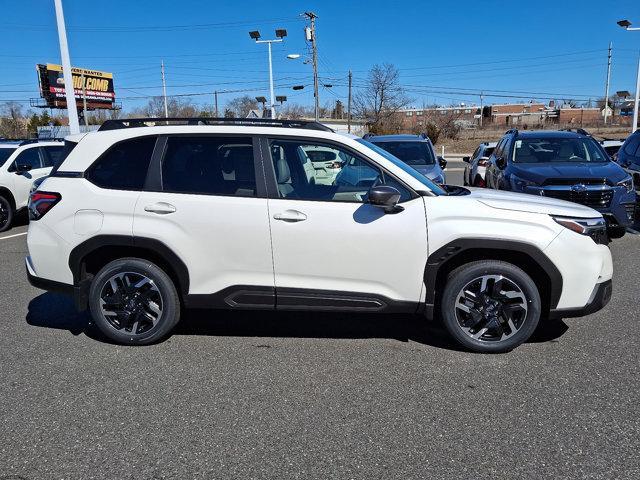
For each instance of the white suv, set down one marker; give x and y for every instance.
(21, 163)
(139, 220)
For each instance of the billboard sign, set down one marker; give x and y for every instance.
(97, 86)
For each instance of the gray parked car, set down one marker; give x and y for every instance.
(416, 151)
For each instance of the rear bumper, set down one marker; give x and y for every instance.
(79, 294)
(597, 301)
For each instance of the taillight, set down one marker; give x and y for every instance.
(41, 202)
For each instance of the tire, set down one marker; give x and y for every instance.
(485, 313)
(6, 214)
(144, 296)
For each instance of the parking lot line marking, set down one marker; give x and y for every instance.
(11, 236)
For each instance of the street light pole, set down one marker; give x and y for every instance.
(280, 33)
(626, 24)
(72, 109)
(635, 105)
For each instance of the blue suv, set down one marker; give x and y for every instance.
(629, 158)
(567, 165)
(416, 151)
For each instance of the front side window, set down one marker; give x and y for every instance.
(346, 179)
(632, 146)
(411, 153)
(209, 165)
(5, 153)
(29, 157)
(124, 166)
(558, 150)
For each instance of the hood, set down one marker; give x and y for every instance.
(522, 202)
(539, 172)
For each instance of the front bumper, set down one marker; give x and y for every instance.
(597, 301)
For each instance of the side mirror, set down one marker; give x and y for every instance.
(22, 168)
(386, 198)
(501, 163)
(442, 162)
(466, 159)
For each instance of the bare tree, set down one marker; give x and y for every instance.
(176, 107)
(13, 122)
(294, 111)
(241, 106)
(381, 98)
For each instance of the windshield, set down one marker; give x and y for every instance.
(5, 153)
(412, 153)
(558, 150)
(406, 168)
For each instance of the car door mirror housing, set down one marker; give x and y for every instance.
(442, 162)
(501, 163)
(22, 168)
(466, 159)
(385, 197)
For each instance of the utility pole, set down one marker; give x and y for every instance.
(349, 104)
(635, 106)
(215, 94)
(606, 88)
(84, 100)
(72, 109)
(481, 108)
(314, 47)
(164, 90)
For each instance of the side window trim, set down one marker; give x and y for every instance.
(270, 174)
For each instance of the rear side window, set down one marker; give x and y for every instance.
(52, 156)
(124, 166)
(209, 165)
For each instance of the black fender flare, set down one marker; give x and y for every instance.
(83, 249)
(445, 254)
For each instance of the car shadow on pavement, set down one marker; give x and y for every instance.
(51, 310)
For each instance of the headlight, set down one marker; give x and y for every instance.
(627, 183)
(520, 183)
(583, 226)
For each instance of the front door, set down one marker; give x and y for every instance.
(332, 249)
(211, 211)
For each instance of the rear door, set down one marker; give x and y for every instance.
(205, 199)
(332, 249)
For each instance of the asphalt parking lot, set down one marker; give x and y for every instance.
(257, 395)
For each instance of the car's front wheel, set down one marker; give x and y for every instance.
(134, 302)
(490, 306)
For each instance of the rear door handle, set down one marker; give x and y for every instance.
(161, 208)
(290, 216)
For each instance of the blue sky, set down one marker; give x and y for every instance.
(446, 51)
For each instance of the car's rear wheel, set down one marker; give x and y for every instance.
(6, 214)
(490, 306)
(134, 302)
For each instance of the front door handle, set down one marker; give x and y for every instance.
(161, 208)
(290, 216)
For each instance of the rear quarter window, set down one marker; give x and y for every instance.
(123, 166)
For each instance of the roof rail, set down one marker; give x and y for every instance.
(37, 140)
(580, 131)
(512, 130)
(254, 122)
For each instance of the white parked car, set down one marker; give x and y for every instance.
(22, 162)
(139, 220)
(475, 172)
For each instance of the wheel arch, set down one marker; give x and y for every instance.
(528, 257)
(6, 193)
(87, 258)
